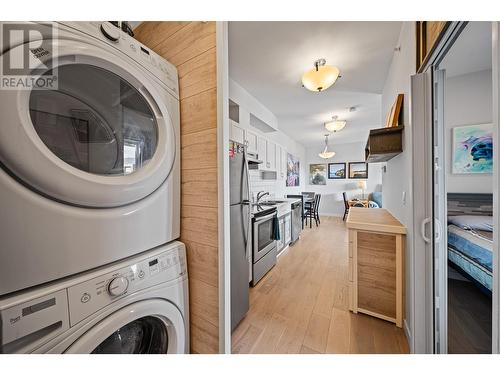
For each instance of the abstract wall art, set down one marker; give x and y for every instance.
(292, 171)
(472, 149)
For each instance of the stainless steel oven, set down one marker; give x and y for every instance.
(264, 245)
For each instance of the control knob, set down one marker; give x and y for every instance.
(118, 286)
(110, 31)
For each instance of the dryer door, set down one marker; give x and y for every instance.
(146, 327)
(102, 138)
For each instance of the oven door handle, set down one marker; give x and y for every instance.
(263, 218)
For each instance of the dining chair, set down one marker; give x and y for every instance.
(308, 199)
(346, 205)
(317, 200)
(312, 211)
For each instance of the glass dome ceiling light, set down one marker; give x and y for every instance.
(321, 77)
(326, 154)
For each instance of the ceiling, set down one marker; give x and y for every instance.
(269, 58)
(471, 52)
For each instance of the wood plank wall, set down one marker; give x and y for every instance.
(191, 47)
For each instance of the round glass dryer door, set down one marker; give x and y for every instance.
(147, 335)
(146, 327)
(103, 137)
(95, 121)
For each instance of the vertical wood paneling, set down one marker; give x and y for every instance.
(190, 46)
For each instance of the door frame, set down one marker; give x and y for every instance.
(423, 334)
(496, 183)
(224, 229)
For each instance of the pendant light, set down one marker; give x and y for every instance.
(326, 154)
(335, 125)
(321, 77)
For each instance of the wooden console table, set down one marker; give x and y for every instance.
(376, 264)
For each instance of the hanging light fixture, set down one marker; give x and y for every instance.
(321, 77)
(335, 125)
(326, 154)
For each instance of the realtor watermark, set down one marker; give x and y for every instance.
(29, 58)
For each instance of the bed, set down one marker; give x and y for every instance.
(470, 237)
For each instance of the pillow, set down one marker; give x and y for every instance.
(472, 222)
(377, 198)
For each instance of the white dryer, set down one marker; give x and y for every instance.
(89, 172)
(135, 306)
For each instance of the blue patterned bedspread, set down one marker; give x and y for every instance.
(472, 253)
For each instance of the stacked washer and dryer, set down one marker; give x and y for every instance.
(89, 197)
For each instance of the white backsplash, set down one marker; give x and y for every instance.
(258, 184)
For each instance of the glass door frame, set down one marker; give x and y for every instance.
(429, 336)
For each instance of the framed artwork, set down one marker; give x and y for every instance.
(292, 171)
(358, 170)
(472, 149)
(317, 174)
(393, 115)
(336, 171)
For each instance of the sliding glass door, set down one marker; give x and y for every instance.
(453, 123)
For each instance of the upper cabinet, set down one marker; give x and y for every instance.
(280, 161)
(262, 150)
(251, 139)
(236, 133)
(271, 156)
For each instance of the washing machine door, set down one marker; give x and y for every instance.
(147, 327)
(103, 138)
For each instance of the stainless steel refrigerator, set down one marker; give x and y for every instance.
(240, 231)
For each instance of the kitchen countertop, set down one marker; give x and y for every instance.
(285, 207)
(374, 219)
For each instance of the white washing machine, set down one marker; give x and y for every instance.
(135, 306)
(89, 172)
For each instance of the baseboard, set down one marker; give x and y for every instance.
(408, 335)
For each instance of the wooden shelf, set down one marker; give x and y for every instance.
(383, 144)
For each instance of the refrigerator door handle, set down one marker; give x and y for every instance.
(247, 201)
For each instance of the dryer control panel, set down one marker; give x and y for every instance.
(113, 36)
(86, 298)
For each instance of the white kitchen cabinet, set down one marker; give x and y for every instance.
(285, 224)
(252, 143)
(288, 229)
(281, 243)
(271, 156)
(284, 161)
(236, 133)
(262, 150)
(279, 162)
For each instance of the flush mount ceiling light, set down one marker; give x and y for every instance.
(335, 125)
(326, 154)
(321, 77)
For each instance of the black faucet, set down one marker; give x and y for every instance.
(261, 194)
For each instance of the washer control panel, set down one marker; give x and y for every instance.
(88, 297)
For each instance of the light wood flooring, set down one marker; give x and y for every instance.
(301, 305)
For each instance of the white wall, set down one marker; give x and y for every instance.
(331, 194)
(398, 178)
(468, 101)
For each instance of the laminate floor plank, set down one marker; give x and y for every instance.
(301, 305)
